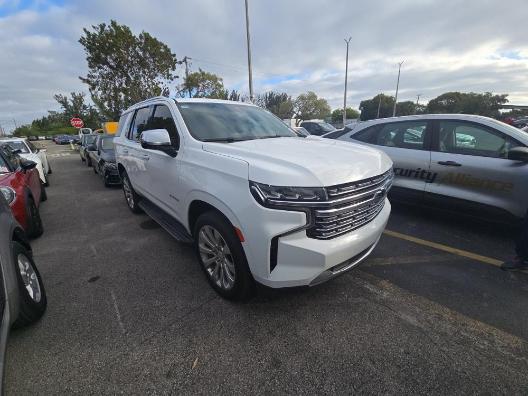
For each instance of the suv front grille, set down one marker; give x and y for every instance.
(350, 206)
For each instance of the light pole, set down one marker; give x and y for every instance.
(417, 102)
(397, 87)
(379, 105)
(251, 97)
(346, 81)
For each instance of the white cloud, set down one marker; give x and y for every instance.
(476, 45)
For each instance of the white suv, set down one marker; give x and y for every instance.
(258, 202)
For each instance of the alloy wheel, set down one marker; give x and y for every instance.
(216, 257)
(128, 192)
(29, 278)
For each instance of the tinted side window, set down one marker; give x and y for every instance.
(4, 166)
(162, 119)
(461, 137)
(139, 124)
(409, 135)
(122, 124)
(367, 135)
(12, 160)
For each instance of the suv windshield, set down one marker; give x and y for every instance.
(231, 122)
(17, 146)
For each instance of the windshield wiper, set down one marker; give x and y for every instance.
(226, 140)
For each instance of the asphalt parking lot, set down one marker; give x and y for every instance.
(129, 311)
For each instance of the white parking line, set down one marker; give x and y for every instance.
(118, 315)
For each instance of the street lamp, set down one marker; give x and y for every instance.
(346, 80)
(251, 97)
(397, 87)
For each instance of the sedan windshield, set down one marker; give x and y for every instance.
(18, 146)
(223, 122)
(327, 127)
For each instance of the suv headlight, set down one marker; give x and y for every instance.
(9, 194)
(286, 196)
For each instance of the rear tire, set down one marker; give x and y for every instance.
(35, 227)
(131, 197)
(222, 257)
(49, 170)
(33, 301)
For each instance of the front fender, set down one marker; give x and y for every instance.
(197, 195)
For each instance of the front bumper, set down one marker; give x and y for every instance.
(304, 261)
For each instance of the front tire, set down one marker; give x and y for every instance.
(222, 257)
(43, 193)
(35, 227)
(131, 197)
(33, 299)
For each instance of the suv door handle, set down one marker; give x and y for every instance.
(145, 157)
(125, 151)
(449, 163)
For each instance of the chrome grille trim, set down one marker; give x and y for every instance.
(350, 206)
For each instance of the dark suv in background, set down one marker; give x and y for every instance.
(317, 127)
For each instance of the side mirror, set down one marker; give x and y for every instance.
(518, 154)
(158, 139)
(27, 164)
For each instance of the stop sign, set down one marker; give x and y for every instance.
(76, 122)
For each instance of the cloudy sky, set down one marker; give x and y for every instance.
(464, 45)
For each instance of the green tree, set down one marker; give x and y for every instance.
(308, 106)
(279, 103)
(123, 68)
(351, 114)
(369, 107)
(202, 84)
(486, 104)
(75, 106)
(405, 108)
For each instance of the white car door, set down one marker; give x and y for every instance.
(162, 169)
(407, 144)
(470, 161)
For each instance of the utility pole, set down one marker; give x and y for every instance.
(417, 102)
(397, 87)
(14, 122)
(346, 81)
(251, 96)
(185, 59)
(379, 105)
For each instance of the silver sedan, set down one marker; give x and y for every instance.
(471, 163)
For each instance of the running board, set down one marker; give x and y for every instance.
(172, 226)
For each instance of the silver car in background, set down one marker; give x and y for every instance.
(22, 296)
(471, 163)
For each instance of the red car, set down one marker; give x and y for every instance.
(21, 186)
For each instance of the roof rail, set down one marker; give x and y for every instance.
(149, 99)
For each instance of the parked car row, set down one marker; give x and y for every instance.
(97, 151)
(66, 139)
(22, 295)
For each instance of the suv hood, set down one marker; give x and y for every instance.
(313, 162)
